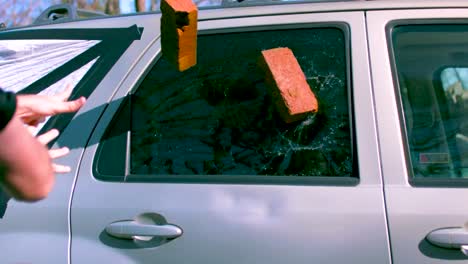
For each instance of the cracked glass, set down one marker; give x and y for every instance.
(217, 118)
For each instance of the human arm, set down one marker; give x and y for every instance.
(26, 167)
(32, 109)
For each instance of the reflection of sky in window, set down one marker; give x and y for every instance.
(70, 80)
(23, 62)
(450, 76)
(463, 74)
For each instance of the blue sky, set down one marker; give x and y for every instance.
(127, 6)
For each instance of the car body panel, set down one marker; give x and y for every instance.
(413, 212)
(43, 227)
(238, 223)
(249, 223)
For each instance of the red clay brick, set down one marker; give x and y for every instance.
(287, 84)
(179, 32)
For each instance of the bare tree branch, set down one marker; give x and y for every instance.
(18, 12)
(140, 5)
(112, 7)
(154, 6)
(22, 12)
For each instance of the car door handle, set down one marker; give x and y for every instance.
(129, 229)
(455, 237)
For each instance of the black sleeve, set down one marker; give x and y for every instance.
(7, 107)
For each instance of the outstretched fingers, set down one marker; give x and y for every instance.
(48, 136)
(69, 106)
(60, 168)
(55, 153)
(64, 106)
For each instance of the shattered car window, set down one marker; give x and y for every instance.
(217, 118)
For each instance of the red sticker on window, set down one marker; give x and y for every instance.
(434, 158)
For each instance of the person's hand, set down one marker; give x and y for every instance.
(54, 153)
(33, 109)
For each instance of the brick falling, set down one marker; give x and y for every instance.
(287, 84)
(179, 32)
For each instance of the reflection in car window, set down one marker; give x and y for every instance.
(217, 118)
(431, 62)
(23, 62)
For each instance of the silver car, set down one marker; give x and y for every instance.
(196, 167)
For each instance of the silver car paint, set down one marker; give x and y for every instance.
(412, 212)
(39, 233)
(243, 223)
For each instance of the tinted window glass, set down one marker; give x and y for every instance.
(218, 119)
(432, 63)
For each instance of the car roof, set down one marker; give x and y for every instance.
(232, 8)
(249, 8)
(253, 8)
(361, 4)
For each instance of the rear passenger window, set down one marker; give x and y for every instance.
(432, 66)
(217, 118)
(47, 61)
(23, 62)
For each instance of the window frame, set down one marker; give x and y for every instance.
(412, 180)
(127, 176)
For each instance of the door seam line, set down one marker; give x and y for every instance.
(385, 208)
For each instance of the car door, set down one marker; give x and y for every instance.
(418, 61)
(196, 167)
(46, 60)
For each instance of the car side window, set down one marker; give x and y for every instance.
(22, 62)
(217, 118)
(432, 68)
(47, 61)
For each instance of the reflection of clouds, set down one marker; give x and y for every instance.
(53, 251)
(70, 81)
(101, 253)
(22, 62)
(450, 76)
(248, 207)
(26, 61)
(6, 53)
(40, 252)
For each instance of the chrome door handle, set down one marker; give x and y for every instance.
(456, 237)
(129, 229)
